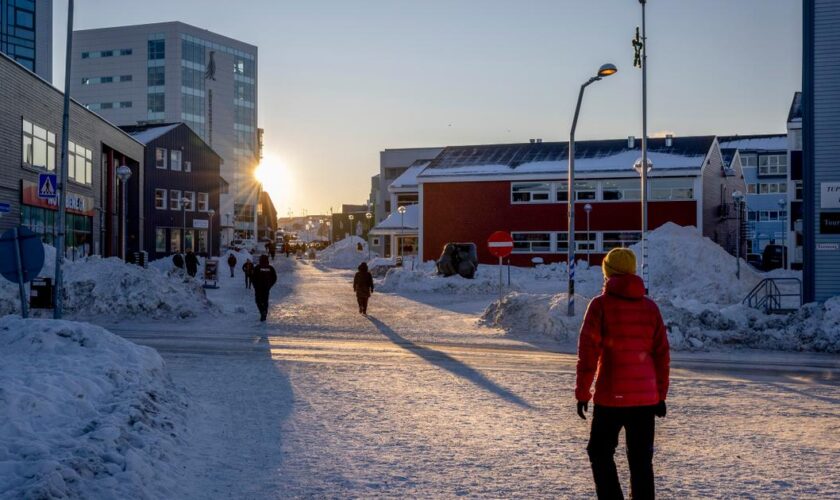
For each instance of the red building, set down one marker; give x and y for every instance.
(468, 192)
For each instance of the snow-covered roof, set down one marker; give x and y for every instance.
(395, 221)
(771, 142)
(147, 135)
(684, 153)
(408, 179)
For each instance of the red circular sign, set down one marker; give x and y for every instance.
(500, 244)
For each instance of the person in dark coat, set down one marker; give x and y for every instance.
(263, 277)
(363, 286)
(623, 346)
(248, 269)
(178, 261)
(231, 263)
(191, 262)
(272, 249)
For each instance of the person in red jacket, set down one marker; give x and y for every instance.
(623, 346)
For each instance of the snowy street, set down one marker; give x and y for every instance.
(419, 400)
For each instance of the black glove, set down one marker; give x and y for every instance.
(660, 410)
(582, 408)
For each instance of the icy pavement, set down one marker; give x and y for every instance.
(418, 400)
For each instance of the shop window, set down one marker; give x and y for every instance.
(174, 240)
(160, 239)
(531, 242)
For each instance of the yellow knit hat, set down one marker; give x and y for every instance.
(619, 261)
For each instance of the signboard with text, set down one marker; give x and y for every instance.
(830, 195)
(75, 203)
(200, 223)
(830, 222)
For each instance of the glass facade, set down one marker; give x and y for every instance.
(17, 31)
(79, 229)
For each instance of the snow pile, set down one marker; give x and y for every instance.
(425, 279)
(344, 254)
(110, 287)
(685, 264)
(85, 414)
(543, 314)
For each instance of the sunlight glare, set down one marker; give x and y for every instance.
(276, 179)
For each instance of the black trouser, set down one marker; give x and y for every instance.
(363, 302)
(231, 271)
(639, 429)
(261, 297)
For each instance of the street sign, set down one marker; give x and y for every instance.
(46, 186)
(500, 244)
(31, 254)
(829, 194)
(201, 223)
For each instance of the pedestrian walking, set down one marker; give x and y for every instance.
(191, 261)
(248, 269)
(363, 286)
(263, 277)
(623, 340)
(178, 261)
(272, 250)
(231, 263)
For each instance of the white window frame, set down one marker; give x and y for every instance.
(174, 199)
(531, 243)
(531, 200)
(157, 158)
(175, 157)
(190, 204)
(42, 141)
(634, 185)
(624, 242)
(671, 190)
(203, 202)
(79, 164)
(164, 198)
(187, 166)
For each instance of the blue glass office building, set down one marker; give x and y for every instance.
(26, 34)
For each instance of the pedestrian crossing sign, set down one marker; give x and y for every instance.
(46, 186)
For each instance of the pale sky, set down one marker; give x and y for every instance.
(340, 80)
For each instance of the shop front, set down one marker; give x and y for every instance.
(41, 215)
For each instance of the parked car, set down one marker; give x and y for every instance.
(773, 257)
(248, 245)
(754, 259)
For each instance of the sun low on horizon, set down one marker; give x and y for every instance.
(277, 179)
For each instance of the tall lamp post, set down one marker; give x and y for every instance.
(124, 173)
(352, 227)
(211, 213)
(604, 71)
(644, 174)
(401, 210)
(738, 197)
(588, 208)
(782, 207)
(368, 216)
(184, 201)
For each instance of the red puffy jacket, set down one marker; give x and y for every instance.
(624, 340)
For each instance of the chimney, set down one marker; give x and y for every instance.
(669, 140)
(631, 142)
(533, 141)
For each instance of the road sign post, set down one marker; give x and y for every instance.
(47, 186)
(21, 259)
(500, 244)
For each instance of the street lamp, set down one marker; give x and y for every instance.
(604, 71)
(184, 201)
(643, 174)
(211, 213)
(782, 207)
(124, 173)
(738, 197)
(401, 210)
(588, 208)
(368, 216)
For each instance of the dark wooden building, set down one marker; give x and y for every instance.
(180, 207)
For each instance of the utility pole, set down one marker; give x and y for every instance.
(642, 62)
(58, 296)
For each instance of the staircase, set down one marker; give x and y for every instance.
(776, 295)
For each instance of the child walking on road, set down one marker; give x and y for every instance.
(363, 286)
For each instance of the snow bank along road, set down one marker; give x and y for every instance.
(417, 400)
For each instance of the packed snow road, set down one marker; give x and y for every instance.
(417, 400)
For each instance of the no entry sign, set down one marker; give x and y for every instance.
(500, 244)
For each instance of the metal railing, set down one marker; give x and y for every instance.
(774, 295)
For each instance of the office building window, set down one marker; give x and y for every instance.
(125, 104)
(672, 188)
(622, 190)
(156, 76)
(160, 199)
(531, 242)
(203, 202)
(175, 160)
(192, 52)
(126, 52)
(772, 164)
(174, 199)
(749, 160)
(38, 146)
(126, 78)
(530, 192)
(156, 103)
(79, 164)
(584, 242)
(160, 157)
(620, 239)
(157, 49)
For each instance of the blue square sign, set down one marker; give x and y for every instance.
(47, 186)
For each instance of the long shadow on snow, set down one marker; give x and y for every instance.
(450, 364)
